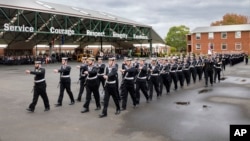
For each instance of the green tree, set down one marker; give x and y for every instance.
(176, 37)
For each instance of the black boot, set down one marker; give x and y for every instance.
(102, 115)
(85, 110)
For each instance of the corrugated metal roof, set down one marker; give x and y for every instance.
(41, 6)
(223, 28)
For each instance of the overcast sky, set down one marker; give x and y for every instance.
(163, 14)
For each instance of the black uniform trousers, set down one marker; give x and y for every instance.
(101, 80)
(117, 88)
(92, 86)
(141, 84)
(194, 73)
(153, 83)
(65, 84)
(246, 60)
(217, 73)
(180, 77)
(110, 90)
(175, 79)
(187, 76)
(160, 84)
(209, 73)
(224, 65)
(199, 72)
(128, 87)
(82, 85)
(40, 89)
(166, 81)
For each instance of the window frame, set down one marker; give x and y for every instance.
(223, 45)
(209, 44)
(210, 37)
(222, 33)
(236, 44)
(237, 33)
(196, 36)
(197, 45)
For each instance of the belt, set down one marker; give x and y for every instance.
(111, 82)
(173, 71)
(65, 76)
(186, 69)
(156, 74)
(100, 74)
(38, 81)
(179, 70)
(142, 77)
(91, 78)
(165, 73)
(129, 78)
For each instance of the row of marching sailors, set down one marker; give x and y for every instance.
(164, 71)
(142, 74)
(91, 76)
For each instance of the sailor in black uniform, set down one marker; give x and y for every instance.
(153, 78)
(110, 87)
(186, 71)
(217, 69)
(65, 82)
(92, 83)
(128, 84)
(82, 78)
(208, 70)
(193, 70)
(141, 81)
(39, 87)
(198, 67)
(180, 74)
(173, 72)
(165, 75)
(101, 70)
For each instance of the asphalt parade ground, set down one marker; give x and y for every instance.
(193, 113)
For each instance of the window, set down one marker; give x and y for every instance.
(237, 34)
(211, 46)
(223, 35)
(198, 46)
(224, 46)
(210, 35)
(238, 46)
(198, 36)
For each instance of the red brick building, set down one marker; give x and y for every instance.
(220, 39)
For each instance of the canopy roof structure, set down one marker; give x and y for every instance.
(25, 24)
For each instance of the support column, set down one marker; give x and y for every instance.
(101, 44)
(150, 47)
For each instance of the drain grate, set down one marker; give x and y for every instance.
(223, 78)
(182, 103)
(204, 91)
